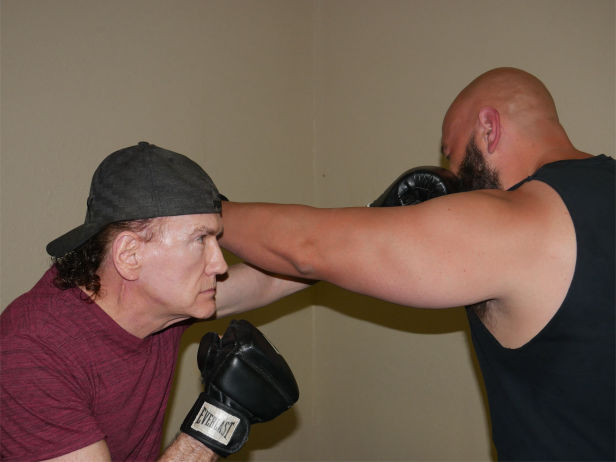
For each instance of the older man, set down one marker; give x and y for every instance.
(88, 354)
(529, 249)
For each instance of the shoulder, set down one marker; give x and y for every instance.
(486, 212)
(52, 314)
(538, 260)
(47, 322)
(509, 238)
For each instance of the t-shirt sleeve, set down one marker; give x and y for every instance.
(45, 408)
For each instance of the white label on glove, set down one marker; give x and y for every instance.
(215, 423)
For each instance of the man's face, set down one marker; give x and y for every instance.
(474, 172)
(179, 267)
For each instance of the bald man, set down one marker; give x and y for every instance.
(528, 248)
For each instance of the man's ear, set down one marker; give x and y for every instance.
(126, 250)
(490, 127)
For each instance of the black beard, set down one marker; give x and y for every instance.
(474, 172)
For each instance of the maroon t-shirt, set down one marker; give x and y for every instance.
(70, 376)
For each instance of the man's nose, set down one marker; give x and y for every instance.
(216, 263)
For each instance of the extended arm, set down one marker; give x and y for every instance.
(451, 251)
(246, 288)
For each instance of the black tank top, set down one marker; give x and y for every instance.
(553, 398)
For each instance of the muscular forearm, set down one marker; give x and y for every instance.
(187, 449)
(268, 235)
(307, 242)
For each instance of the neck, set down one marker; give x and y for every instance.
(534, 150)
(129, 311)
(556, 154)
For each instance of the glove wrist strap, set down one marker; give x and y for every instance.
(222, 429)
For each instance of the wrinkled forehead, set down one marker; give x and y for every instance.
(203, 223)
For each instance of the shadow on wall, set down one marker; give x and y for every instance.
(390, 315)
(406, 319)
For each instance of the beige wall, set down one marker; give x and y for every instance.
(321, 102)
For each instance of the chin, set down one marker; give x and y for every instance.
(204, 312)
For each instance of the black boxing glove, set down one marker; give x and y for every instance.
(246, 381)
(418, 185)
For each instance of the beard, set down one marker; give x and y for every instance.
(474, 172)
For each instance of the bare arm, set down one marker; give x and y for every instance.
(451, 251)
(97, 452)
(184, 448)
(247, 288)
(187, 449)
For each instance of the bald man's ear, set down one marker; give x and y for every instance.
(489, 122)
(126, 254)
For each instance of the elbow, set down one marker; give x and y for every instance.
(303, 258)
(304, 269)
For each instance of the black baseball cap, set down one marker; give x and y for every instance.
(139, 182)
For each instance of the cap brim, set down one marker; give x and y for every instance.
(73, 239)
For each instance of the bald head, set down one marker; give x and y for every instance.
(514, 93)
(511, 117)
